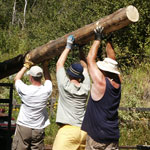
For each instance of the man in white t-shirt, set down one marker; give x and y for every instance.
(33, 117)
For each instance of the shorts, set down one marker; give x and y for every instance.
(93, 145)
(70, 138)
(26, 138)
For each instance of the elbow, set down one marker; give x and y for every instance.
(88, 59)
(58, 65)
(15, 79)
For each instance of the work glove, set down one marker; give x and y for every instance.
(70, 41)
(99, 33)
(27, 62)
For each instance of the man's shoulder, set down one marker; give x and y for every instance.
(47, 83)
(18, 82)
(61, 70)
(62, 78)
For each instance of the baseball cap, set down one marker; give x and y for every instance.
(35, 71)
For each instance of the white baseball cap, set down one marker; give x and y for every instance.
(109, 65)
(35, 71)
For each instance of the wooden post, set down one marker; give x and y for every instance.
(112, 22)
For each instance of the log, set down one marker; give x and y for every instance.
(11, 66)
(112, 22)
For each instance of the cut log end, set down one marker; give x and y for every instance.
(132, 13)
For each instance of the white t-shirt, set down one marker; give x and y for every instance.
(72, 99)
(33, 113)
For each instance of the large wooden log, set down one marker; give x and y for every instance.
(112, 22)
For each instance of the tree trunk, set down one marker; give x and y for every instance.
(14, 13)
(24, 14)
(112, 22)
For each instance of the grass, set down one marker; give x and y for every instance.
(136, 87)
(134, 126)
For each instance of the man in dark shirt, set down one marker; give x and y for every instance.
(101, 118)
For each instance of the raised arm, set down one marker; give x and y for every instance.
(83, 60)
(111, 54)
(94, 71)
(63, 56)
(97, 76)
(46, 70)
(110, 50)
(20, 74)
(27, 65)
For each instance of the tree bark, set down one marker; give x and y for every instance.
(11, 66)
(112, 22)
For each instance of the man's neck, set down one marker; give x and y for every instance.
(76, 82)
(35, 83)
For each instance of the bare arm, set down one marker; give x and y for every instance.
(46, 71)
(110, 51)
(20, 74)
(27, 64)
(94, 71)
(97, 76)
(63, 56)
(83, 60)
(62, 59)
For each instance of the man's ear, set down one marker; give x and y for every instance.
(30, 78)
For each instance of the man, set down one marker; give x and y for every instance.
(101, 118)
(73, 88)
(33, 117)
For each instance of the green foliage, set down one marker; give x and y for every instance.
(50, 19)
(135, 86)
(51, 131)
(47, 20)
(5, 13)
(134, 134)
(134, 126)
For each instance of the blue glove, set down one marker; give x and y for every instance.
(70, 41)
(99, 33)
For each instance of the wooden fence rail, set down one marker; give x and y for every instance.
(141, 147)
